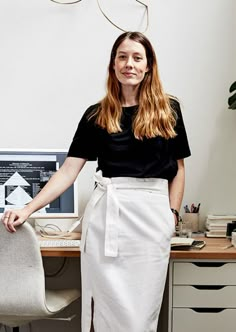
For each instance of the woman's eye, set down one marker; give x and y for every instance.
(138, 58)
(122, 57)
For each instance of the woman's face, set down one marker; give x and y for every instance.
(130, 63)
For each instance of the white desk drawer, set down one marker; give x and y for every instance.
(185, 320)
(200, 297)
(204, 273)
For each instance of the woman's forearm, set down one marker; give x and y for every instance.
(176, 187)
(57, 184)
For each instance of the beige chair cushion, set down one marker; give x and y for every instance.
(22, 283)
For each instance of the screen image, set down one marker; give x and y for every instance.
(23, 173)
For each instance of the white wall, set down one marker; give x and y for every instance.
(53, 61)
(196, 43)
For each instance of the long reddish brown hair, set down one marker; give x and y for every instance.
(154, 116)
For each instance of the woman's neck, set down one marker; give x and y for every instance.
(129, 97)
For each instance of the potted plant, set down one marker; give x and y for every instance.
(232, 98)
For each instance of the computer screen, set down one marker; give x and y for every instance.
(23, 173)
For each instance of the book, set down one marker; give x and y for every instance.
(216, 225)
(215, 234)
(180, 243)
(183, 241)
(221, 217)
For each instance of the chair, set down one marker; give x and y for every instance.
(23, 297)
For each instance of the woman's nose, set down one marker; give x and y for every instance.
(129, 62)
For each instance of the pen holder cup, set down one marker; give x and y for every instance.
(193, 219)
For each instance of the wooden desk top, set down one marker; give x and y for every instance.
(215, 248)
(60, 252)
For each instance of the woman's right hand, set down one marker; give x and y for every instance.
(13, 218)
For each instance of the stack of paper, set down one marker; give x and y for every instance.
(216, 225)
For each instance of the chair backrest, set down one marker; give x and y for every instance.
(22, 281)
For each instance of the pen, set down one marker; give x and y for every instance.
(192, 208)
(198, 207)
(186, 209)
(227, 247)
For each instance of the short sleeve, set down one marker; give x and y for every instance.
(84, 141)
(179, 144)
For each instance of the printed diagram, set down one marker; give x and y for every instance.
(18, 196)
(20, 181)
(13, 193)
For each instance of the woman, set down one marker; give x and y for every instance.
(137, 135)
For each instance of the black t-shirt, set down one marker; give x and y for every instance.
(121, 154)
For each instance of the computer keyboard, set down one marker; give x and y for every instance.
(59, 243)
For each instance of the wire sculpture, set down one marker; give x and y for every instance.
(118, 27)
(70, 2)
(64, 2)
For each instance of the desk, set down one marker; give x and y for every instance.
(202, 288)
(184, 275)
(212, 250)
(60, 252)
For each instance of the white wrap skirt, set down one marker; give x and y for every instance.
(125, 247)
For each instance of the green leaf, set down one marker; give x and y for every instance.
(232, 87)
(233, 106)
(232, 99)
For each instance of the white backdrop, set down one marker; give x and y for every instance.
(53, 62)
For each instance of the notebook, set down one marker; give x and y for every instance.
(184, 243)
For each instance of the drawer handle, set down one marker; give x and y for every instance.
(206, 310)
(214, 287)
(208, 264)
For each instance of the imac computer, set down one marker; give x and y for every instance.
(24, 172)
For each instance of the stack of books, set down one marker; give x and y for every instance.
(216, 225)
